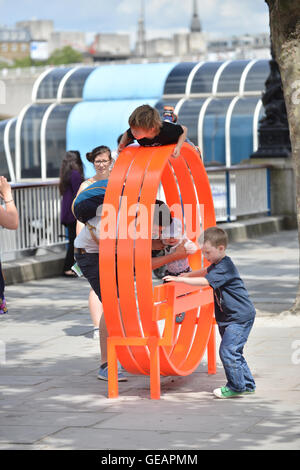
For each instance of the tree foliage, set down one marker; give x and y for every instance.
(66, 55)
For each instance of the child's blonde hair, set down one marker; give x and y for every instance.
(145, 117)
(215, 235)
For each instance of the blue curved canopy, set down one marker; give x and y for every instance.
(127, 81)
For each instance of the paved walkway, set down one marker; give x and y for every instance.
(51, 398)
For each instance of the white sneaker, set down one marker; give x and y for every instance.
(225, 392)
(96, 333)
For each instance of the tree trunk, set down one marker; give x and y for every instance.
(285, 38)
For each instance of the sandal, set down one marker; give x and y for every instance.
(69, 274)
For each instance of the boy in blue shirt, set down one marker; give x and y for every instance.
(234, 311)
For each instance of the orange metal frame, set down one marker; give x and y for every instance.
(140, 319)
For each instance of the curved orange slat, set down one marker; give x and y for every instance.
(148, 191)
(143, 247)
(177, 355)
(187, 331)
(173, 201)
(196, 349)
(205, 321)
(125, 255)
(107, 250)
(202, 185)
(171, 191)
(166, 367)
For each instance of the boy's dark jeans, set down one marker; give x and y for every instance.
(234, 337)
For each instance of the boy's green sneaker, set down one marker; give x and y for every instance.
(225, 392)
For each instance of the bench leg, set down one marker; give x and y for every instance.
(211, 351)
(112, 362)
(154, 369)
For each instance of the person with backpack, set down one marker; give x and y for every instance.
(102, 161)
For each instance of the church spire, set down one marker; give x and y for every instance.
(141, 34)
(195, 24)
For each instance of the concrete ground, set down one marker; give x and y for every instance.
(51, 398)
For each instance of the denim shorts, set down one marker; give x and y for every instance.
(89, 265)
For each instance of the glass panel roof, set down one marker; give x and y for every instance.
(230, 77)
(214, 131)
(30, 141)
(257, 76)
(177, 78)
(189, 117)
(73, 87)
(50, 83)
(56, 138)
(241, 129)
(204, 77)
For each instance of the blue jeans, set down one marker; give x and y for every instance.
(234, 337)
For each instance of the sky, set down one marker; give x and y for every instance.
(162, 17)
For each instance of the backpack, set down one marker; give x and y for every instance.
(85, 205)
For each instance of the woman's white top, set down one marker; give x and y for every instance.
(85, 240)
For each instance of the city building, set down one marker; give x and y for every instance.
(45, 38)
(14, 44)
(111, 46)
(61, 39)
(246, 46)
(39, 30)
(160, 47)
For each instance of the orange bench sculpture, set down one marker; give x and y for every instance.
(140, 318)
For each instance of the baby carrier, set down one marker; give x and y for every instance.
(87, 202)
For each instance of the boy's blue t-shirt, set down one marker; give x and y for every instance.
(232, 302)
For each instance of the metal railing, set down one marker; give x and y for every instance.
(237, 191)
(241, 190)
(38, 207)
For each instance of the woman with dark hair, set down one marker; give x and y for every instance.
(71, 177)
(102, 160)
